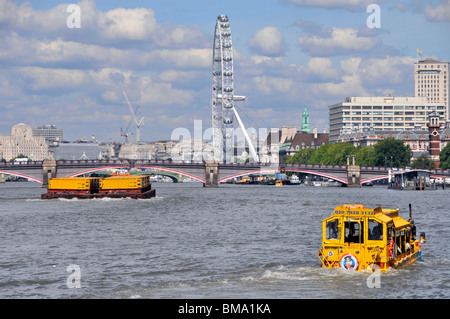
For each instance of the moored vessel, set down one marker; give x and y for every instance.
(120, 186)
(294, 180)
(359, 238)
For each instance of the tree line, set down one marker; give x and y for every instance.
(387, 153)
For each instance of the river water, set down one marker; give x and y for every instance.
(235, 241)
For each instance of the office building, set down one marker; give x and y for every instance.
(382, 113)
(51, 133)
(431, 81)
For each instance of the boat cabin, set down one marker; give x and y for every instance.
(358, 238)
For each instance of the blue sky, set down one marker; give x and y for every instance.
(287, 53)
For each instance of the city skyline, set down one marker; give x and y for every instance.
(288, 53)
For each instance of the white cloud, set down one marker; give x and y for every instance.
(322, 67)
(340, 41)
(383, 73)
(351, 85)
(25, 19)
(42, 79)
(200, 58)
(440, 13)
(268, 41)
(113, 27)
(364, 77)
(353, 5)
(131, 24)
(271, 85)
(350, 65)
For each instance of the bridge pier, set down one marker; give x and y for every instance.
(353, 176)
(353, 173)
(211, 175)
(48, 171)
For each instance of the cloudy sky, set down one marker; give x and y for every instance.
(287, 53)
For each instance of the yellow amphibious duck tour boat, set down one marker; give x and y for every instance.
(359, 238)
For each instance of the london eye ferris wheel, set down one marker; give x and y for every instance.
(223, 98)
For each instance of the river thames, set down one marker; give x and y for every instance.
(190, 242)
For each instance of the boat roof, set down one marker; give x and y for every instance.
(412, 173)
(357, 211)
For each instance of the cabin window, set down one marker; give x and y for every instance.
(375, 230)
(353, 232)
(400, 242)
(389, 233)
(333, 229)
(407, 240)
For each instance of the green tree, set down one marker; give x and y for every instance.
(444, 157)
(365, 156)
(333, 154)
(301, 157)
(423, 161)
(392, 149)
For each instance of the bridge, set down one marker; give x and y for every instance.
(210, 174)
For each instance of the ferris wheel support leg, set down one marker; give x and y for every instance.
(250, 144)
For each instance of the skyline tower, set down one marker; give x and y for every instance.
(431, 81)
(305, 121)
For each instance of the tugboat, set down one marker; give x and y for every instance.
(119, 186)
(359, 238)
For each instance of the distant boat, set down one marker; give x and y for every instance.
(243, 180)
(329, 183)
(294, 180)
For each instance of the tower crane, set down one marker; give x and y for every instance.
(139, 123)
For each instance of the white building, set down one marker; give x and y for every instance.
(431, 81)
(382, 113)
(22, 142)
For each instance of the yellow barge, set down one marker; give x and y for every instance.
(359, 238)
(123, 186)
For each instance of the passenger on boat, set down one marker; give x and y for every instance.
(391, 248)
(353, 231)
(419, 248)
(332, 230)
(377, 232)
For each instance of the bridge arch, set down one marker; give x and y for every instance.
(170, 170)
(341, 180)
(374, 179)
(245, 173)
(92, 170)
(304, 171)
(31, 178)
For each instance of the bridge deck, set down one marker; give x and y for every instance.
(33, 170)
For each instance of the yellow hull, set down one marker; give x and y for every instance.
(359, 238)
(360, 265)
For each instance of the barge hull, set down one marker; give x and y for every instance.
(147, 194)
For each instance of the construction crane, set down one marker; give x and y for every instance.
(125, 133)
(139, 123)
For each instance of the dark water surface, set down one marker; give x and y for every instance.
(235, 241)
